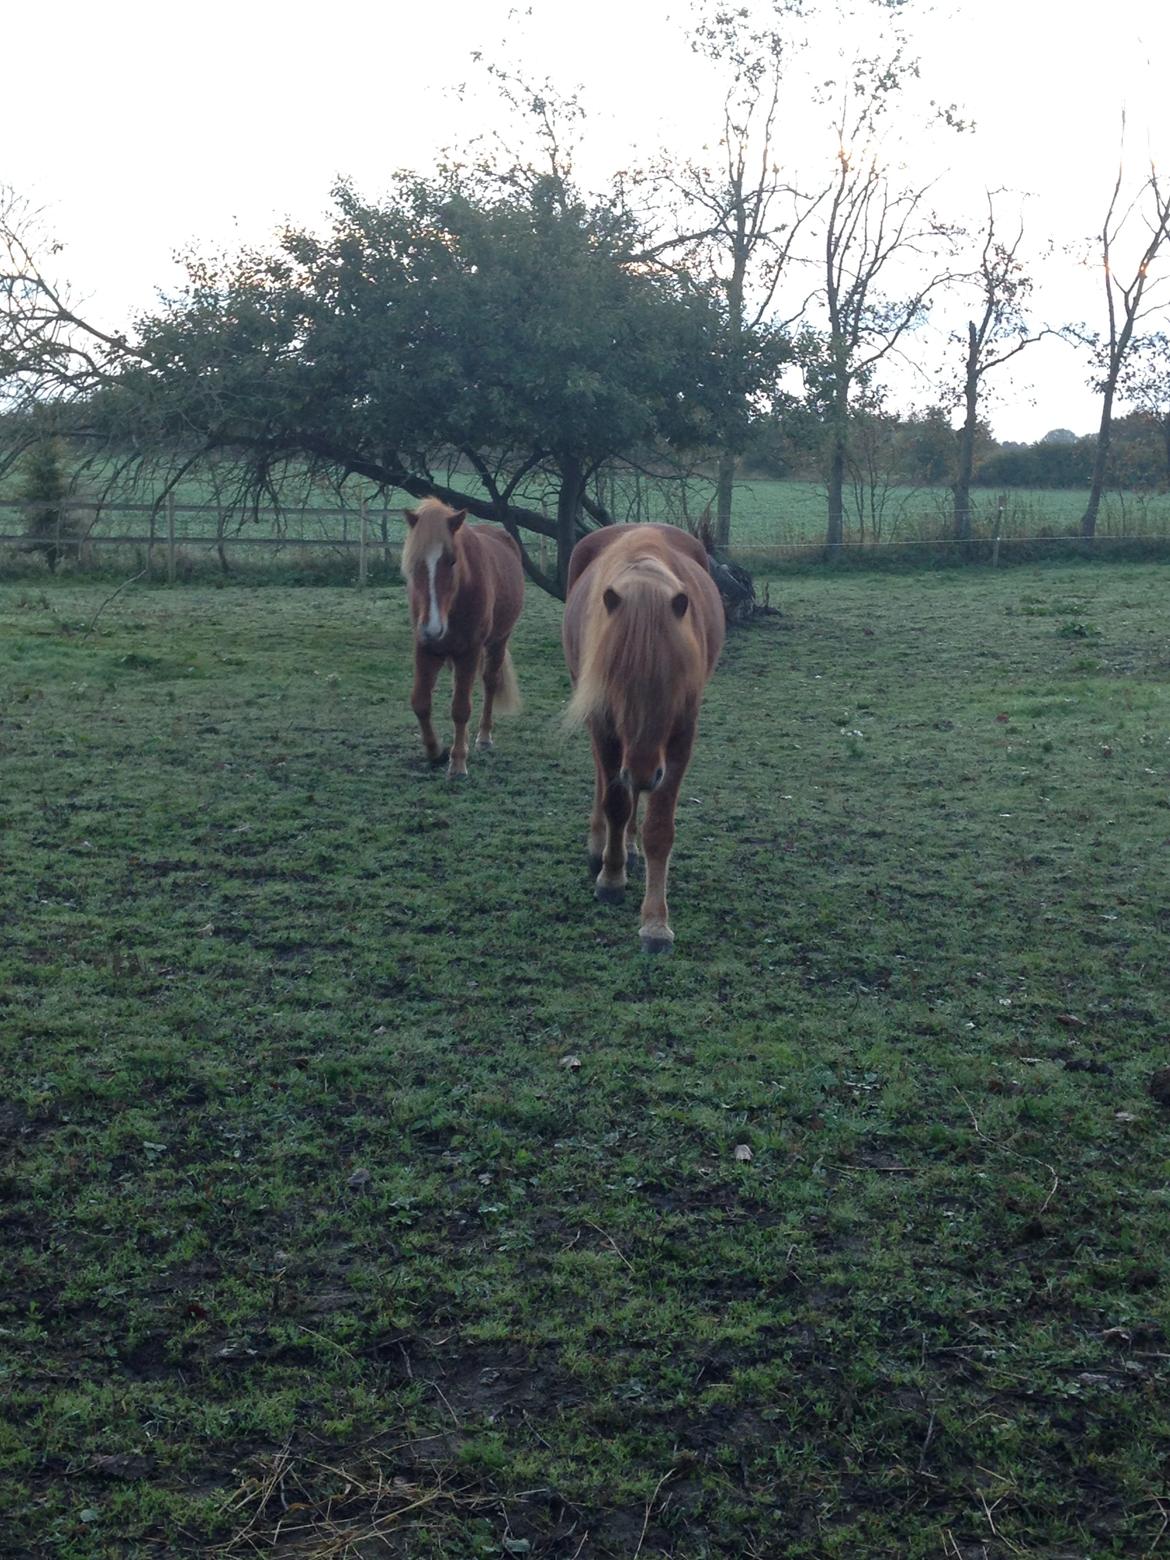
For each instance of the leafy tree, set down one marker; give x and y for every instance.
(44, 487)
(1144, 383)
(1048, 463)
(505, 321)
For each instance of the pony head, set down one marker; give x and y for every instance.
(645, 723)
(642, 668)
(430, 562)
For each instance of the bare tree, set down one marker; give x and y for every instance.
(1127, 300)
(996, 335)
(739, 216)
(47, 351)
(870, 224)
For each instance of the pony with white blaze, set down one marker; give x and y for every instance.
(642, 632)
(466, 586)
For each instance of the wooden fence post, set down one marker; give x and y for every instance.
(170, 538)
(363, 540)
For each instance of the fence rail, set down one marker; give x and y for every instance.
(80, 531)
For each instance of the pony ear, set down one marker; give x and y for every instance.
(411, 517)
(456, 520)
(679, 604)
(611, 598)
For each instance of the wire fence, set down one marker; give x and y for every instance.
(166, 538)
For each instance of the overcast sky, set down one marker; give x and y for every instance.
(143, 129)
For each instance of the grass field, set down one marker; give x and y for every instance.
(768, 514)
(364, 1191)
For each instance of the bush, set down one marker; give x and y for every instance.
(51, 527)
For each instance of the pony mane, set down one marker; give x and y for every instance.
(641, 662)
(430, 530)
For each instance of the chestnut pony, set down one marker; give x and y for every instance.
(466, 587)
(642, 632)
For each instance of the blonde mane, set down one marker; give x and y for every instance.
(429, 531)
(642, 662)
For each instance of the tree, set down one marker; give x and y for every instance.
(870, 222)
(1125, 295)
(740, 215)
(1144, 383)
(511, 325)
(997, 334)
(44, 488)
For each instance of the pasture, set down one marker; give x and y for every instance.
(365, 1191)
(773, 521)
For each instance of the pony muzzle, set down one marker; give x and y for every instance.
(641, 781)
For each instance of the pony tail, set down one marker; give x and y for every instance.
(508, 700)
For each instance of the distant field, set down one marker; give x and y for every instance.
(768, 514)
(365, 1191)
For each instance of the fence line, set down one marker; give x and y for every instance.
(244, 534)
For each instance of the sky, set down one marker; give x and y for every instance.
(143, 130)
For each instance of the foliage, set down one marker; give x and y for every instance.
(501, 318)
(1144, 383)
(44, 486)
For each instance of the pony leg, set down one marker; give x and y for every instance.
(426, 671)
(597, 816)
(617, 805)
(632, 857)
(465, 670)
(657, 842)
(493, 665)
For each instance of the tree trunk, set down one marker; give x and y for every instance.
(1100, 460)
(962, 488)
(1166, 441)
(725, 483)
(835, 534)
(740, 253)
(568, 515)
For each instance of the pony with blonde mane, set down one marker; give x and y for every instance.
(642, 632)
(466, 586)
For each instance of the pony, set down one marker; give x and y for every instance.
(642, 631)
(466, 586)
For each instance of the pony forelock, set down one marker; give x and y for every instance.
(641, 661)
(430, 530)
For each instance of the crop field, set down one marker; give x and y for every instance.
(365, 1191)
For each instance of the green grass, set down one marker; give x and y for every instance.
(768, 514)
(313, 1239)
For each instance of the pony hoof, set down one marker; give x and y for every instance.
(484, 744)
(594, 864)
(633, 862)
(660, 940)
(456, 774)
(610, 893)
(435, 759)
